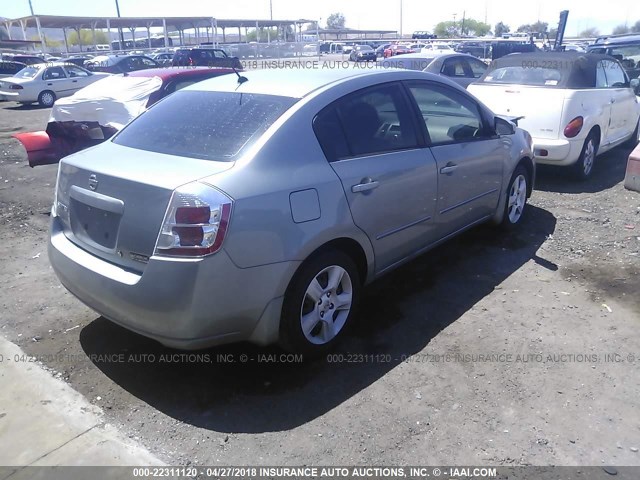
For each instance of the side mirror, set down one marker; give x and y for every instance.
(635, 85)
(504, 127)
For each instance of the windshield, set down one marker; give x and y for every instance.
(521, 75)
(27, 72)
(205, 125)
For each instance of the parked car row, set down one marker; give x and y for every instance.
(390, 162)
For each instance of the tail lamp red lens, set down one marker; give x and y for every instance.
(573, 127)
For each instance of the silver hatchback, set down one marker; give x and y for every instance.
(255, 207)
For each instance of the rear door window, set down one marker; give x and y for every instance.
(54, 73)
(206, 125)
(377, 120)
(477, 67)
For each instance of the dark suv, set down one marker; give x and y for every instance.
(204, 57)
(626, 48)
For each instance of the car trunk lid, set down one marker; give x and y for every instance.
(112, 199)
(539, 107)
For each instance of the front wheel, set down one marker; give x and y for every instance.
(319, 303)
(583, 168)
(516, 197)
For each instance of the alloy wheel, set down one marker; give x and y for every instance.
(326, 305)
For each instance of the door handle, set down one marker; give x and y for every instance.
(366, 185)
(74, 81)
(448, 170)
(49, 84)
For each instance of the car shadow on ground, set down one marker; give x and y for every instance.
(400, 314)
(20, 107)
(608, 171)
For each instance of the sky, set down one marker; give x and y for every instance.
(364, 14)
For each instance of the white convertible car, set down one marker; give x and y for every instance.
(574, 105)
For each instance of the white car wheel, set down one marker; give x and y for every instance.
(47, 98)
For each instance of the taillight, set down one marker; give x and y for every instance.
(196, 222)
(573, 127)
(15, 87)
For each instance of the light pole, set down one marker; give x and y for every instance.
(454, 22)
(271, 10)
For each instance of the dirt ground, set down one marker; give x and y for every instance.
(495, 349)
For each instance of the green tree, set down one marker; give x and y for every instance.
(538, 27)
(265, 33)
(500, 29)
(86, 37)
(589, 32)
(446, 29)
(47, 41)
(471, 27)
(336, 21)
(3, 34)
(636, 27)
(620, 29)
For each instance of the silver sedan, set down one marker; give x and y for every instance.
(462, 68)
(45, 82)
(256, 207)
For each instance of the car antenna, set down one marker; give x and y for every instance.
(241, 78)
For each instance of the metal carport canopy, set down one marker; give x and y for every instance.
(179, 23)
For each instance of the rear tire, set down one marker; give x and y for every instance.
(516, 201)
(583, 168)
(47, 98)
(319, 303)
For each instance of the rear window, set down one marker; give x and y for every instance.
(27, 72)
(204, 125)
(523, 75)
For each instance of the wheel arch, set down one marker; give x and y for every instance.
(348, 246)
(597, 131)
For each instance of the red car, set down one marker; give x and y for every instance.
(396, 50)
(93, 115)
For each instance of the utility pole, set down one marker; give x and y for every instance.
(400, 18)
(120, 28)
(40, 35)
(271, 10)
(464, 12)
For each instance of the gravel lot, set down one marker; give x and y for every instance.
(511, 341)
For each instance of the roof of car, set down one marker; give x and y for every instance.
(60, 63)
(578, 69)
(562, 59)
(173, 72)
(616, 39)
(290, 82)
(114, 58)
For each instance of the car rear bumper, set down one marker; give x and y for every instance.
(186, 304)
(561, 152)
(21, 96)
